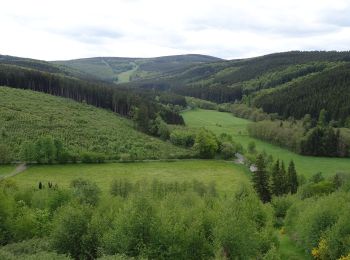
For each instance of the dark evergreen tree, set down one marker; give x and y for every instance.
(283, 179)
(276, 181)
(293, 178)
(261, 180)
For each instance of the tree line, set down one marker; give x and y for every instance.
(306, 136)
(118, 100)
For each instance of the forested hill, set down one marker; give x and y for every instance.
(119, 70)
(226, 81)
(61, 81)
(277, 83)
(30, 120)
(329, 90)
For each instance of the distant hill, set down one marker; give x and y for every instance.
(259, 79)
(43, 66)
(27, 115)
(121, 70)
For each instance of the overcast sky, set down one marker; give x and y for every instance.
(68, 29)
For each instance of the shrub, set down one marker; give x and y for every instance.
(70, 234)
(206, 144)
(182, 137)
(85, 191)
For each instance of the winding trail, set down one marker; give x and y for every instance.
(19, 169)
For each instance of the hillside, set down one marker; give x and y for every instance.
(120, 70)
(329, 90)
(225, 81)
(27, 115)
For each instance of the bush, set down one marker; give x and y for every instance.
(70, 234)
(86, 191)
(280, 205)
(321, 224)
(90, 157)
(206, 144)
(182, 137)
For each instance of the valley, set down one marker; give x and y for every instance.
(135, 158)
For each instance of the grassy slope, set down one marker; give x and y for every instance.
(27, 115)
(220, 122)
(226, 174)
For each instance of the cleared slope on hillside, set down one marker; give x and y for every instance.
(27, 115)
(114, 68)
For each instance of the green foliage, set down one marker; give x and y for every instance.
(304, 96)
(292, 178)
(201, 103)
(152, 220)
(219, 123)
(71, 232)
(320, 225)
(183, 137)
(206, 144)
(5, 154)
(75, 129)
(86, 191)
(261, 180)
(281, 204)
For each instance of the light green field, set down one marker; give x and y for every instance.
(125, 76)
(6, 169)
(226, 175)
(220, 122)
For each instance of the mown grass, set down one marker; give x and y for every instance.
(220, 122)
(226, 175)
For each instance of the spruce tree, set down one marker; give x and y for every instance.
(293, 178)
(261, 180)
(275, 178)
(283, 180)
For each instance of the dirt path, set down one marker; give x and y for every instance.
(20, 168)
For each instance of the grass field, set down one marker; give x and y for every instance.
(125, 76)
(6, 169)
(226, 175)
(220, 122)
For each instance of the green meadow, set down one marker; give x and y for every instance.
(226, 175)
(220, 122)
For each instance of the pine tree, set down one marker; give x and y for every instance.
(293, 178)
(284, 189)
(261, 180)
(275, 178)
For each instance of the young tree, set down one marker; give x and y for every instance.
(293, 178)
(28, 152)
(322, 118)
(261, 180)
(206, 144)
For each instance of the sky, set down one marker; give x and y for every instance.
(69, 29)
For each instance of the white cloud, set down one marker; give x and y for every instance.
(226, 28)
